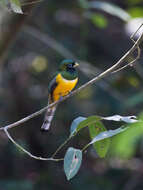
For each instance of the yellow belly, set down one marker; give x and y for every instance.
(64, 87)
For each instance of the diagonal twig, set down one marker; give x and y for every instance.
(87, 68)
(28, 153)
(94, 80)
(138, 54)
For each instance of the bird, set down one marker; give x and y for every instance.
(61, 85)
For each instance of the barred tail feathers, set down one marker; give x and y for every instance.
(48, 118)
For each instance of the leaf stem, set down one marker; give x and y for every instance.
(62, 145)
(85, 147)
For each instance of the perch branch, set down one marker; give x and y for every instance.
(138, 54)
(28, 153)
(87, 68)
(99, 77)
(92, 81)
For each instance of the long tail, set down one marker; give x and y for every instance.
(48, 118)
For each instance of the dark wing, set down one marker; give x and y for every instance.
(51, 89)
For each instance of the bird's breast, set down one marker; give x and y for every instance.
(63, 87)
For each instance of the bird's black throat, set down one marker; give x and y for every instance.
(71, 70)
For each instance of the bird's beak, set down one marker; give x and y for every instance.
(76, 65)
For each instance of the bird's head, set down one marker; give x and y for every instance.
(68, 65)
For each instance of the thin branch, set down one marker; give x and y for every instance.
(138, 54)
(61, 146)
(133, 35)
(85, 147)
(87, 68)
(99, 77)
(28, 153)
(131, 63)
(94, 80)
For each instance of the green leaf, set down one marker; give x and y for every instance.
(72, 162)
(75, 124)
(124, 145)
(107, 134)
(126, 119)
(81, 122)
(15, 6)
(102, 146)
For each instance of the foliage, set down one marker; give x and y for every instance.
(100, 147)
(99, 135)
(94, 32)
(12, 5)
(72, 162)
(125, 145)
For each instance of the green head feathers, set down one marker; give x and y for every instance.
(67, 64)
(68, 70)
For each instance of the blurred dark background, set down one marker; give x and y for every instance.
(31, 48)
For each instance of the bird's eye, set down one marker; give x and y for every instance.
(70, 65)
